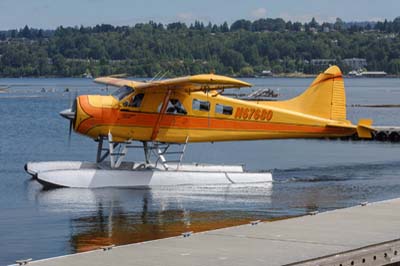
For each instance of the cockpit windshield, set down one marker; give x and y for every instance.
(122, 92)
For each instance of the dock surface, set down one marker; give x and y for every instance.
(367, 234)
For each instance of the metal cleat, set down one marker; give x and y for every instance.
(23, 262)
(106, 248)
(255, 222)
(187, 234)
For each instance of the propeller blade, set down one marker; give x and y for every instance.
(73, 95)
(70, 132)
(70, 115)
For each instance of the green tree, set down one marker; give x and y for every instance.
(241, 24)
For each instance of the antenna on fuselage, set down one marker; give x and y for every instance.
(163, 75)
(158, 73)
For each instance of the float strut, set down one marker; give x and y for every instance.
(146, 152)
(99, 150)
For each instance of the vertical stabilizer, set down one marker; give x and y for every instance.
(325, 97)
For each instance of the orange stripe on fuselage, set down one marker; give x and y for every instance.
(111, 117)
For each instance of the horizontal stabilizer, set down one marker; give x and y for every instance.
(364, 128)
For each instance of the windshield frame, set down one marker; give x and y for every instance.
(122, 92)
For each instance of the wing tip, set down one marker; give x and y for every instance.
(100, 79)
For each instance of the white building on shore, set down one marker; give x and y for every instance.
(355, 63)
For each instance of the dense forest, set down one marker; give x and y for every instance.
(245, 48)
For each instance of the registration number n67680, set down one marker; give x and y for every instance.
(253, 114)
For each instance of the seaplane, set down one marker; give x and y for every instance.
(162, 116)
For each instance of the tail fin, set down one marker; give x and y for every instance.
(324, 98)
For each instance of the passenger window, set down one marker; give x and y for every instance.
(175, 107)
(223, 109)
(200, 105)
(136, 100)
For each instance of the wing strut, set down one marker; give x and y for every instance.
(156, 128)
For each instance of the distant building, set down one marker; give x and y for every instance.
(323, 62)
(355, 63)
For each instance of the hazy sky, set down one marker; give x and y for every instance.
(49, 14)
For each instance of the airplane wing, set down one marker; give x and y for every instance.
(203, 82)
(117, 82)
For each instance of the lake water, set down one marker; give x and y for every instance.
(309, 174)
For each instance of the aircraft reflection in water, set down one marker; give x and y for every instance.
(123, 216)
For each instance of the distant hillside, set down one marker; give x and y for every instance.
(244, 48)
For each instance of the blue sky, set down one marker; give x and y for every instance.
(49, 14)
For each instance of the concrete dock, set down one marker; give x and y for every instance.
(368, 234)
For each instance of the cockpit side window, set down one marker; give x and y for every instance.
(122, 92)
(136, 100)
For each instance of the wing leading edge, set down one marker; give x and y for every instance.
(117, 82)
(203, 82)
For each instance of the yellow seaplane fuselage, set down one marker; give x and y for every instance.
(192, 109)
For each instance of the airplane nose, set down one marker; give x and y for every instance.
(68, 114)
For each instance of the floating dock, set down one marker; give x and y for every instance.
(388, 133)
(367, 234)
(381, 133)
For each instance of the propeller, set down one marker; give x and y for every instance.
(70, 114)
(70, 131)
